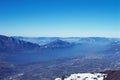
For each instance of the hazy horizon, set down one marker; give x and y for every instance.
(59, 36)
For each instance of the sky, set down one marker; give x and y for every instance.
(60, 18)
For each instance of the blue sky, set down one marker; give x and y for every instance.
(65, 18)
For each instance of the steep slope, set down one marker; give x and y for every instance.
(9, 44)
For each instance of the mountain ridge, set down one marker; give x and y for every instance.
(9, 44)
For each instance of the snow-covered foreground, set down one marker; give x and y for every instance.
(85, 76)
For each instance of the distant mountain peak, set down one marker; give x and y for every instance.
(58, 44)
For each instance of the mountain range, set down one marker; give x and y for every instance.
(46, 58)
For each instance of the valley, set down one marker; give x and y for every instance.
(24, 60)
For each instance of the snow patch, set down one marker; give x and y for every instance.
(85, 76)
